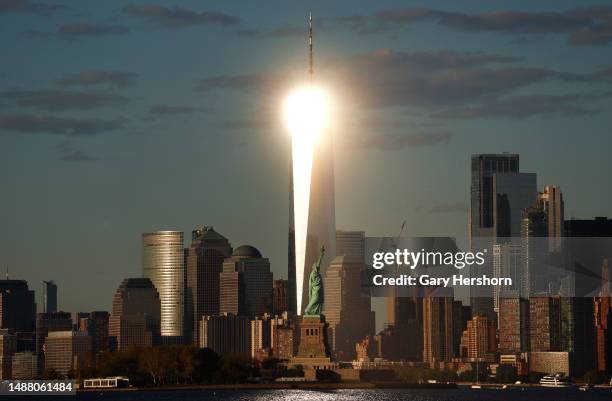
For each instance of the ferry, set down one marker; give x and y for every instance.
(557, 380)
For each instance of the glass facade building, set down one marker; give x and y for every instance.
(163, 263)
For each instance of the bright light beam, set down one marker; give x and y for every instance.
(306, 113)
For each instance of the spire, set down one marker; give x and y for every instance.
(311, 69)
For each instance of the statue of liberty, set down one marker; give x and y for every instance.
(315, 289)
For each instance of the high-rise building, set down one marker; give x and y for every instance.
(283, 344)
(552, 201)
(280, 296)
(17, 306)
(47, 323)
(67, 351)
(8, 347)
(49, 296)
(509, 261)
(438, 327)
(264, 329)
(513, 193)
(24, 366)
(603, 321)
(544, 324)
(489, 215)
(135, 317)
(483, 195)
(225, 333)
(513, 323)
(163, 262)
(205, 259)
(245, 283)
(312, 221)
(577, 332)
(97, 325)
(351, 243)
(479, 339)
(343, 302)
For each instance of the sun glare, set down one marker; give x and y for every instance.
(306, 111)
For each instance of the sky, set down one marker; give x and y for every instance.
(123, 117)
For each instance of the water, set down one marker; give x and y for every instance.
(461, 394)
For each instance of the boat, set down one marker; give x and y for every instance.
(556, 380)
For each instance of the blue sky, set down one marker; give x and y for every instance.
(121, 117)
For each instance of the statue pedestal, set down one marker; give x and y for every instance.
(313, 351)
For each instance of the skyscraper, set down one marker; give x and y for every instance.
(49, 322)
(97, 325)
(312, 209)
(484, 167)
(67, 351)
(479, 339)
(544, 324)
(245, 283)
(205, 259)
(438, 326)
(136, 313)
(17, 307)
(49, 296)
(280, 296)
(343, 302)
(225, 333)
(163, 263)
(513, 323)
(513, 193)
(552, 200)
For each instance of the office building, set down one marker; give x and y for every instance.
(544, 324)
(513, 193)
(351, 243)
(50, 322)
(205, 259)
(343, 302)
(17, 306)
(8, 347)
(603, 321)
(24, 366)
(96, 324)
(554, 207)
(438, 327)
(225, 333)
(280, 296)
(479, 340)
(163, 263)
(312, 221)
(513, 323)
(245, 284)
(49, 296)
(135, 317)
(67, 351)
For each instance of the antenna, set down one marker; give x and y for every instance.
(311, 69)
(7, 276)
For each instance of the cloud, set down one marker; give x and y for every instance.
(387, 78)
(83, 29)
(118, 79)
(523, 107)
(582, 26)
(63, 100)
(396, 141)
(165, 109)
(451, 207)
(260, 82)
(24, 6)
(45, 124)
(179, 17)
(69, 153)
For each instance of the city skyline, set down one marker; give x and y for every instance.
(142, 131)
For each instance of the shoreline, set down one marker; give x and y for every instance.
(327, 386)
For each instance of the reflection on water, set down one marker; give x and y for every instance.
(532, 394)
